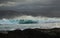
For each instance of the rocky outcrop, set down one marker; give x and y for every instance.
(32, 33)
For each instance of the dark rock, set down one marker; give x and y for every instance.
(15, 34)
(2, 35)
(32, 33)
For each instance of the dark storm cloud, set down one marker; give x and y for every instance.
(49, 8)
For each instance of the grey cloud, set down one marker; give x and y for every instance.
(31, 1)
(49, 8)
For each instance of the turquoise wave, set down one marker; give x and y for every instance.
(21, 21)
(26, 21)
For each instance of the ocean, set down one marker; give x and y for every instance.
(29, 22)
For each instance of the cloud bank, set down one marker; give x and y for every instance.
(49, 8)
(8, 2)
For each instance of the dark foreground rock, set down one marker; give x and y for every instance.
(32, 33)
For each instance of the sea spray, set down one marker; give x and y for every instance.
(29, 20)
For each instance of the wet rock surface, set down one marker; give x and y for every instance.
(32, 33)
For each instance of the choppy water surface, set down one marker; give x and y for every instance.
(25, 26)
(31, 22)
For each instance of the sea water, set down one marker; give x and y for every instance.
(12, 24)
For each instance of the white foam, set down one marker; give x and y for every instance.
(39, 19)
(25, 26)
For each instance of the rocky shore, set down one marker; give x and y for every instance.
(32, 33)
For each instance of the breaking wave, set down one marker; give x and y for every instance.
(24, 22)
(29, 20)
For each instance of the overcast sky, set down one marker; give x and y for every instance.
(14, 2)
(40, 7)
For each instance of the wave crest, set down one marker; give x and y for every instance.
(29, 20)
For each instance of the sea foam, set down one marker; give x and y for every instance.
(29, 20)
(24, 22)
